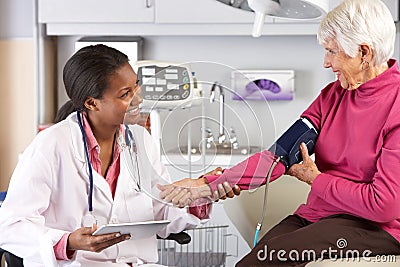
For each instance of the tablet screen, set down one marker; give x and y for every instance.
(137, 230)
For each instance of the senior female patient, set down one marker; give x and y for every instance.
(355, 182)
(47, 200)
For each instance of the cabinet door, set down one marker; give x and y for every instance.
(200, 11)
(95, 11)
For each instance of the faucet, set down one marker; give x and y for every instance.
(233, 139)
(209, 138)
(221, 136)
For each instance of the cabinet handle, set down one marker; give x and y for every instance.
(149, 3)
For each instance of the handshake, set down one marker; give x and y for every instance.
(195, 192)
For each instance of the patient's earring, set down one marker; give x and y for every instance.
(363, 67)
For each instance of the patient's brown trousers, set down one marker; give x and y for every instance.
(296, 241)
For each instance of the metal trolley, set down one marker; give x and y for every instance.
(207, 248)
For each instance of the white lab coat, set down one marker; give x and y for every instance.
(48, 196)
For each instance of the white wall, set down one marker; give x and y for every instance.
(17, 89)
(213, 59)
(221, 56)
(224, 54)
(16, 19)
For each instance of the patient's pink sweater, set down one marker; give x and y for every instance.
(357, 151)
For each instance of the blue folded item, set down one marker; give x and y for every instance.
(2, 196)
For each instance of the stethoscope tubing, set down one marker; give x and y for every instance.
(130, 142)
(90, 195)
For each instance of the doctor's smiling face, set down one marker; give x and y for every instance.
(121, 98)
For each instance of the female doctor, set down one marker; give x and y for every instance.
(74, 176)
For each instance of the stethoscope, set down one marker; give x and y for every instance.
(89, 219)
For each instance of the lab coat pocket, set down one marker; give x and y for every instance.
(139, 206)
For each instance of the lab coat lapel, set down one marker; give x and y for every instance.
(79, 152)
(125, 181)
(140, 206)
(98, 182)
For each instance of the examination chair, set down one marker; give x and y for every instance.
(11, 260)
(283, 198)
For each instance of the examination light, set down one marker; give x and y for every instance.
(286, 9)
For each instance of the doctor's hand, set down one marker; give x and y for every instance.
(184, 192)
(196, 192)
(187, 191)
(82, 239)
(306, 171)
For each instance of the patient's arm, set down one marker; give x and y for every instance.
(250, 173)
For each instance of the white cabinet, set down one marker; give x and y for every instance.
(204, 11)
(156, 17)
(95, 11)
(165, 17)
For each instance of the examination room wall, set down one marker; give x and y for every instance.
(213, 58)
(302, 54)
(299, 53)
(17, 70)
(223, 54)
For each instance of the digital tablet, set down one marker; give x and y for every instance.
(138, 230)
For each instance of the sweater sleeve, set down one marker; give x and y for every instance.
(60, 249)
(201, 211)
(321, 105)
(377, 200)
(250, 173)
(313, 113)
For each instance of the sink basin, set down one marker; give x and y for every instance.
(219, 150)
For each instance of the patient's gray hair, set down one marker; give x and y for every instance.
(355, 22)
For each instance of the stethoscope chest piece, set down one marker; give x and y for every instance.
(88, 220)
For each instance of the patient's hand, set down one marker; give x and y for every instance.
(224, 189)
(306, 171)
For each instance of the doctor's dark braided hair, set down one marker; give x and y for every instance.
(86, 74)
